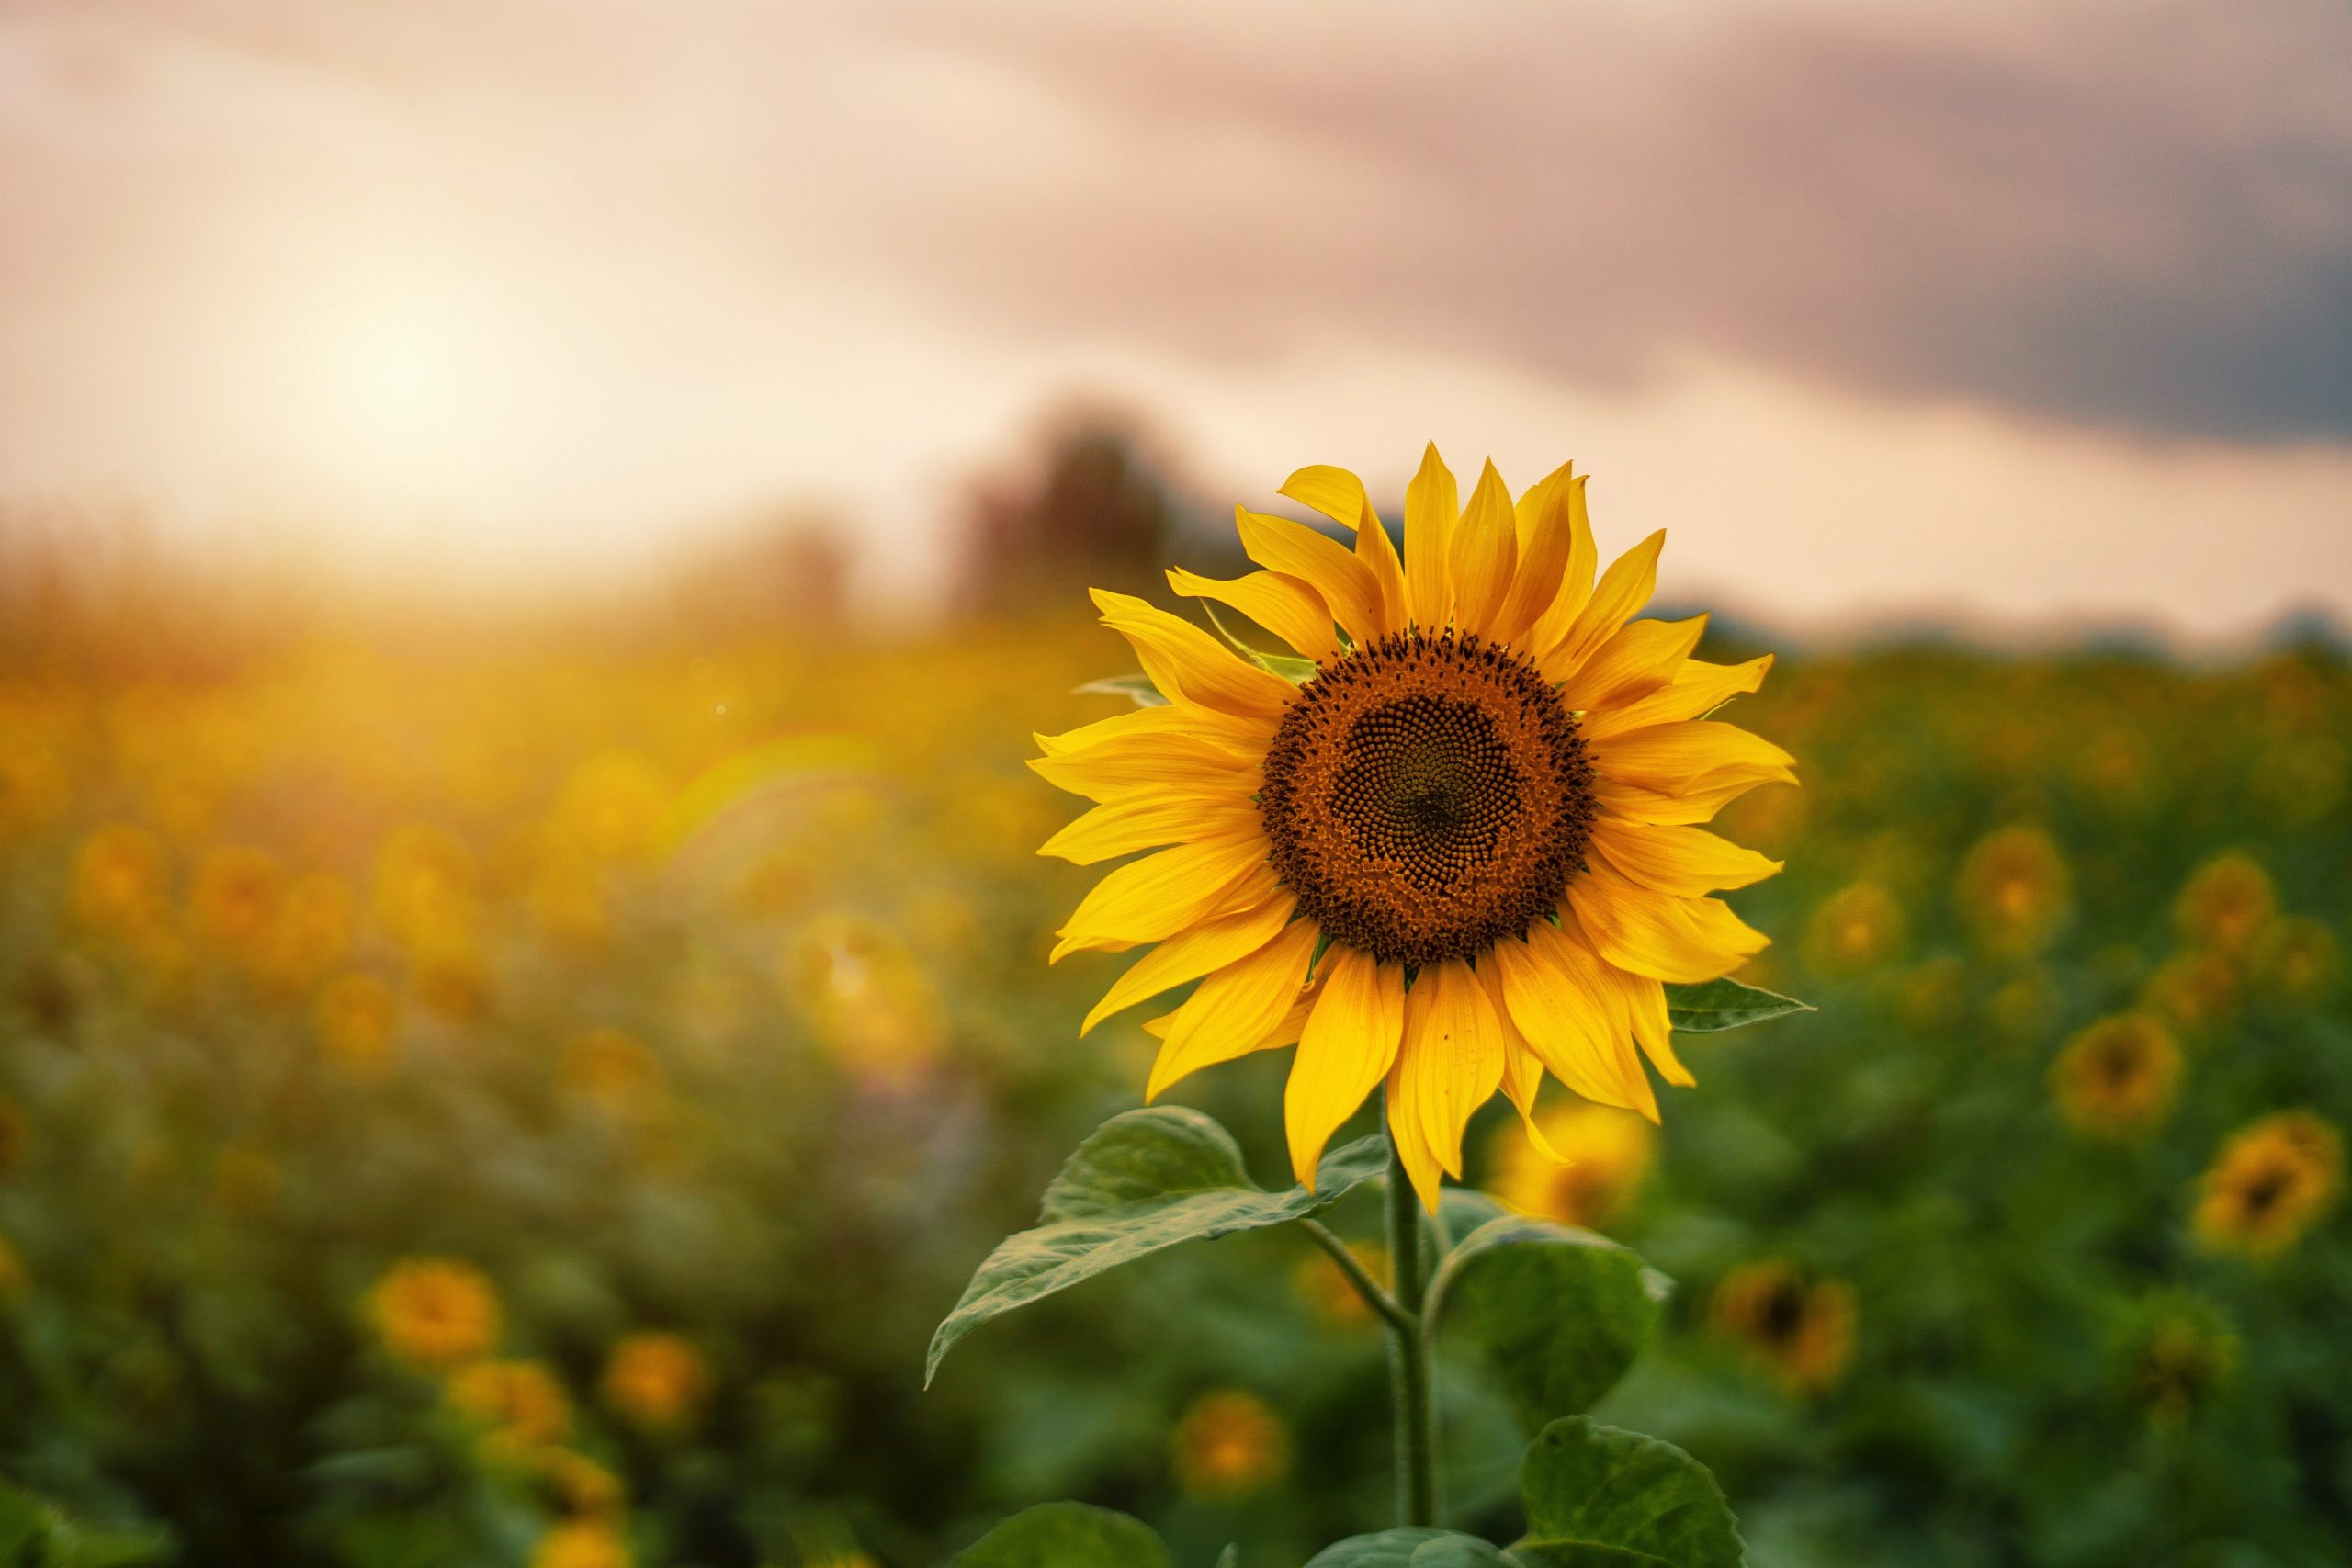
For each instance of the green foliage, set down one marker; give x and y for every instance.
(1144, 1182)
(1560, 1313)
(1412, 1546)
(35, 1533)
(1068, 1535)
(1713, 1006)
(1598, 1497)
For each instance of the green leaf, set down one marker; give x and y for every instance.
(1715, 1004)
(1598, 1497)
(1137, 688)
(1298, 671)
(1145, 1181)
(1412, 1546)
(1562, 1312)
(1229, 1558)
(1067, 1535)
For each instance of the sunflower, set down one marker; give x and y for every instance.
(1452, 846)
(434, 1312)
(1798, 1327)
(2270, 1183)
(2117, 1077)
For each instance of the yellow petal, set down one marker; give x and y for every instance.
(1682, 940)
(1153, 898)
(1575, 588)
(1523, 1068)
(1339, 495)
(1689, 863)
(1624, 588)
(1632, 802)
(1144, 819)
(1245, 737)
(1554, 993)
(1343, 1052)
(1645, 1000)
(1431, 510)
(1642, 658)
(1485, 554)
(1694, 754)
(1325, 564)
(1185, 662)
(1453, 1054)
(1189, 954)
(1235, 1008)
(1411, 1142)
(1125, 763)
(1290, 609)
(1698, 689)
(1541, 518)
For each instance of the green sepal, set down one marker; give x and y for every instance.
(1561, 1312)
(1067, 1535)
(1136, 687)
(1598, 1497)
(1298, 671)
(1143, 1182)
(1713, 1006)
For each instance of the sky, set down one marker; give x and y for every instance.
(2039, 312)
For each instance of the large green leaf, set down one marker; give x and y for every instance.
(1561, 1312)
(1067, 1535)
(1411, 1546)
(1715, 1004)
(1598, 1497)
(1144, 1180)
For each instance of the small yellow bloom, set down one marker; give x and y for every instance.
(424, 889)
(121, 875)
(867, 996)
(2270, 1183)
(2300, 960)
(1229, 1444)
(308, 935)
(2117, 1077)
(1855, 929)
(657, 1381)
(582, 1487)
(354, 1019)
(2015, 890)
(612, 805)
(2196, 991)
(1607, 1154)
(519, 1405)
(434, 1312)
(610, 1068)
(2227, 905)
(582, 1543)
(1800, 1328)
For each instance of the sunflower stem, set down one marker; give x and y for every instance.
(1408, 1354)
(1383, 1304)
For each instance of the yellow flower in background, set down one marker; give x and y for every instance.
(33, 788)
(2270, 1183)
(354, 1019)
(2300, 960)
(2117, 1077)
(611, 1068)
(1329, 1294)
(1490, 778)
(1800, 1328)
(2197, 991)
(120, 879)
(234, 898)
(657, 1381)
(582, 1543)
(2015, 890)
(611, 807)
(566, 898)
(582, 1487)
(867, 996)
(1591, 1162)
(2227, 905)
(1229, 1444)
(520, 1404)
(424, 888)
(2177, 1357)
(434, 1312)
(308, 935)
(1855, 929)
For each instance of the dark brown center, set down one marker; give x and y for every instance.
(1426, 798)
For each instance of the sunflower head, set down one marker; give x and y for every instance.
(2174, 1355)
(434, 1312)
(519, 1405)
(2014, 889)
(1228, 1444)
(2116, 1079)
(1795, 1326)
(1449, 843)
(656, 1379)
(2271, 1182)
(1590, 1162)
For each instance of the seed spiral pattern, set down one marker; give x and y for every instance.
(1426, 796)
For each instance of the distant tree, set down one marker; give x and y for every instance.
(1093, 510)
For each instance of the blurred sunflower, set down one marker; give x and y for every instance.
(2117, 1076)
(581, 1485)
(2271, 1181)
(1799, 1327)
(1590, 1161)
(1452, 846)
(656, 1379)
(353, 1017)
(582, 1543)
(434, 1312)
(2175, 1354)
(1229, 1444)
(2227, 905)
(2014, 889)
(519, 1405)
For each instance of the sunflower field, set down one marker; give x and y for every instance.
(517, 1105)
